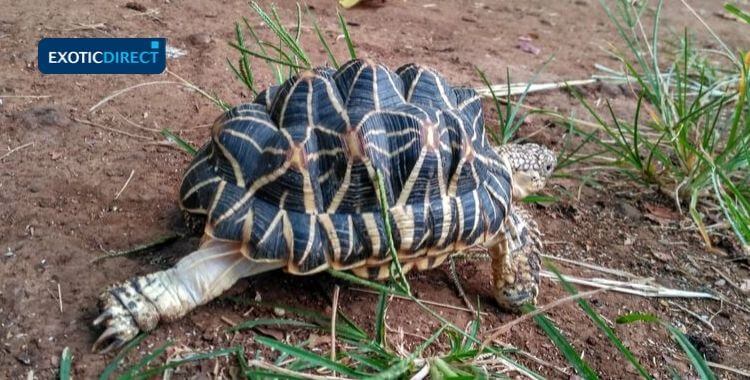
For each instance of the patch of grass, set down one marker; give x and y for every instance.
(509, 115)
(690, 134)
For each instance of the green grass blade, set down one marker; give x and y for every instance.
(244, 72)
(307, 356)
(184, 145)
(266, 57)
(280, 31)
(704, 371)
(739, 13)
(66, 363)
(361, 281)
(562, 344)
(512, 124)
(501, 123)
(601, 324)
(396, 272)
(365, 361)
(637, 317)
(737, 213)
(283, 56)
(473, 330)
(322, 39)
(112, 366)
(193, 358)
(535, 198)
(274, 67)
(380, 314)
(693, 355)
(347, 37)
(149, 358)
(345, 328)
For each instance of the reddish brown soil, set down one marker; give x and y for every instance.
(57, 196)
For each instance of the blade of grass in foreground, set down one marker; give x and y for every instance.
(66, 362)
(307, 356)
(148, 359)
(497, 140)
(184, 145)
(237, 351)
(345, 328)
(599, 322)
(562, 344)
(323, 42)
(380, 315)
(692, 353)
(347, 37)
(396, 272)
(740, 14)
(112, 366)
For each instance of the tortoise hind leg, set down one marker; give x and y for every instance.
(141, 302)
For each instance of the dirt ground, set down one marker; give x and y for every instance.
(59, 210)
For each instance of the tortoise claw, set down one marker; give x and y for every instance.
(120, 325)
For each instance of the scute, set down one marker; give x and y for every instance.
(293, 175)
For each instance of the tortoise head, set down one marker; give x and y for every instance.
(531, 164)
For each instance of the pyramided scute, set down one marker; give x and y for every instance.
(425, 87)
(365, 84)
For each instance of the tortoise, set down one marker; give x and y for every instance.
(290, 181)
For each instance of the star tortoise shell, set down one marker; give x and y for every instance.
(293, 176)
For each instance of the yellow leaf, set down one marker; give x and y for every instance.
(348, 3)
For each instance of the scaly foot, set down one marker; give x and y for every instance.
(125, 312)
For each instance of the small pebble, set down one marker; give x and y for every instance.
(279, 312)
(25, 359)
(720, 282)
(199, 39)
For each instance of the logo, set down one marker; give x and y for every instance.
(102, 55)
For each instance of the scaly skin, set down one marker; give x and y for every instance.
(515, 261)
(140, 303)
(515, 269)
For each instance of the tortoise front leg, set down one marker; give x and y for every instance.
(516, 264)
(515, 279)
(141, 302)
